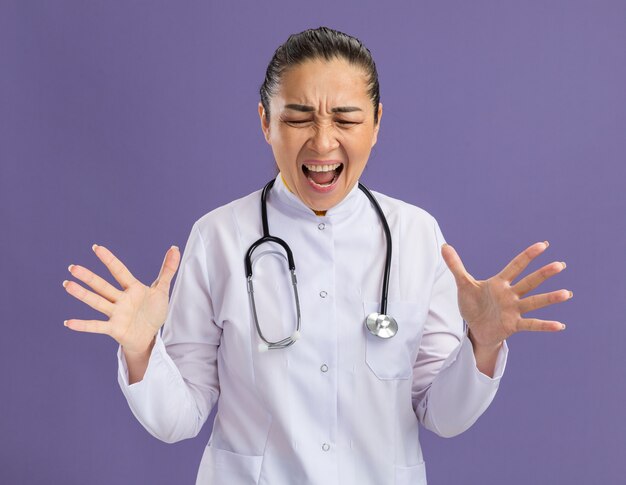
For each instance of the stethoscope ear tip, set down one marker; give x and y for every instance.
(296, 335)
(263, 347)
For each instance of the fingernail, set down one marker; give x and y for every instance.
(94, 247)
(174, 247)
(65, 282)
(65, 322)
(564, 265)
(546, 243)
(562, 326)
(69, 268)
(571, 294)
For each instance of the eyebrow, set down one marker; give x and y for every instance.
(340, 109)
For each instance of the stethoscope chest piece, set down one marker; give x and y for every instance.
(382, 326)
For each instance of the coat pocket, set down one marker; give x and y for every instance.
(393, 358)
(411, 475)
(223, 466)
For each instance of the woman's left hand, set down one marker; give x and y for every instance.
(493, 308)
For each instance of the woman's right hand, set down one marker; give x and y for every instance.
(135, 313)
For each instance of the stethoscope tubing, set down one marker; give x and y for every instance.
(383, 220)
(292, 266)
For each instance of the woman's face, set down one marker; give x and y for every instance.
(321, 129)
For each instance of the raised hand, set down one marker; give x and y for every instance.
(135, 313)
(493, 308)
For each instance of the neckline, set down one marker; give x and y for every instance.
(339, 211)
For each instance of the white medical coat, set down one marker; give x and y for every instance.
(340, 406)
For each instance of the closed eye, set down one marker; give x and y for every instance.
(342, 122)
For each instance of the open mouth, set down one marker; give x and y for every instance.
(322, 176)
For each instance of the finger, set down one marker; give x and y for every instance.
(539, 301)
(453, 260)
(89, 297)
(533, 280)
(91, 326)
(519, 262)
(120, 272)
(168, 268)
(102, 286)
(536, 325)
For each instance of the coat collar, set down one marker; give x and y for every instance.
(284, 197)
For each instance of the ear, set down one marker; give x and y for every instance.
(377, 127)
(264, 126)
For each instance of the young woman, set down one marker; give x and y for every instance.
(325, 344)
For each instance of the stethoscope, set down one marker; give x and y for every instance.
(379, 324)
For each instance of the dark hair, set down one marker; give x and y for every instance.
(319, 43)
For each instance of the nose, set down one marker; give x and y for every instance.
(324, 139)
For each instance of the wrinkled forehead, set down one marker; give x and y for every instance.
(324, 85)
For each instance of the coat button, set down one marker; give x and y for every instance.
(324, 368)
(323, 294)
(321, 226)
(325, 447)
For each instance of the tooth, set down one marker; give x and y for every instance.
(322, 168)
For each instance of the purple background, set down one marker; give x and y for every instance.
(121, 123)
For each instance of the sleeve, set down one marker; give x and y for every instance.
(181, 385)
(449, 393)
